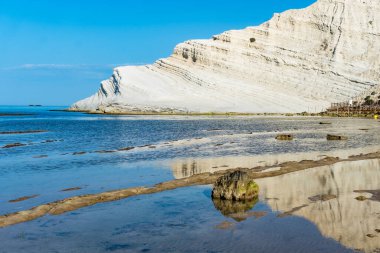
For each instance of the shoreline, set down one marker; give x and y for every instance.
(188, 113)
(191, 114)
(73, 203)
(266, 114)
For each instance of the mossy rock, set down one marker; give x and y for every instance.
(336, 137)
(361, 198)
(284, 137)
(235, 186)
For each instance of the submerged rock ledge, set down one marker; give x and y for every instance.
(74, 203)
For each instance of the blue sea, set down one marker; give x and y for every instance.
(97, 153)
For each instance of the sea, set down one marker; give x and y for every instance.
(61, 154)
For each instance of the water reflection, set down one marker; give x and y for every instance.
(237, 210)
(349, 221)
(188, 167)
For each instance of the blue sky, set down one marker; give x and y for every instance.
(55, 52)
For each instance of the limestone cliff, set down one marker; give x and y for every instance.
(300, 60)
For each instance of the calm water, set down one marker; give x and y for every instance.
(185, 219)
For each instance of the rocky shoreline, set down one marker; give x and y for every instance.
(190, 114)
(74, 203)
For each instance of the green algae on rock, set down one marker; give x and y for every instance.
(235, 186)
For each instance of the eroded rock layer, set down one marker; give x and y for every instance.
(300, 60)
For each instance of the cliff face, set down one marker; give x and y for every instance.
(300, 60)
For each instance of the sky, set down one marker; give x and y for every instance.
(56, 52)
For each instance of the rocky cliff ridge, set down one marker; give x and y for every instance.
(300, 60)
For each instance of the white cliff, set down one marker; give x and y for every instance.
(300, 60)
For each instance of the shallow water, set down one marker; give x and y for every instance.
(174, 147)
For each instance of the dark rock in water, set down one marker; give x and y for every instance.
(325, 123)
(71, 189)
(105, 151)
(336, 138)
(235, 186)
(284, 137)
(126, 149)
(290, 212)
(13, 145)
(361, 198)
(24, 132)
(40, 156)
(237, 210)
(375, 194)
(79, 153)
(49, 141)
(323, 197)
(14, 114)
(22, 198)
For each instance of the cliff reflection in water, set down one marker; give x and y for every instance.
(188, 167)
(343, 218)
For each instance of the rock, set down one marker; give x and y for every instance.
(14, 114)
(325, 123)
(235, 186)
(126, 149)
(284, 137)
(23, 198)
(361, 198)
(40, 156)
(290, 212)
(13, 145)
(336, 137)
(105, 151)
(371, 235)
(24, 132)
(323, 197)
(375, 194)
(300, 59)
(71, 189)
(50, 141)
(79, 153)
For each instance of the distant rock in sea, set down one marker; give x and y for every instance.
(300, 60)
